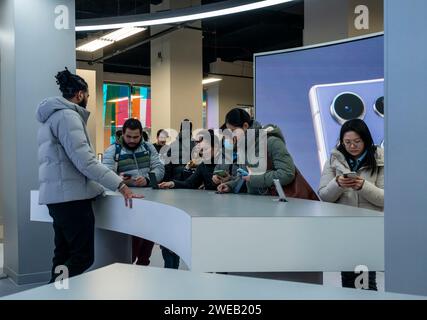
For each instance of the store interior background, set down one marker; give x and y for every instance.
(223, 48)
(170, 69)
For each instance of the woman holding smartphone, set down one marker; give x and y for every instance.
(227, 170)
(280, 164)
(354, 175)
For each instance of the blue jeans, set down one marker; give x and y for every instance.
(171, 259)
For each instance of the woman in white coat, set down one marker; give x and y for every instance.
(354, 175)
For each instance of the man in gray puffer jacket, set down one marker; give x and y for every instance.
(70, 176)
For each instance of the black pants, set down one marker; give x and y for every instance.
(73, 223)
(348, 279)
(141, 251)
(171, 258)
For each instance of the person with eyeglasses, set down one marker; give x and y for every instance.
(354, 176)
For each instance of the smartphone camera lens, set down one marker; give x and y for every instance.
(379, 107)
(347, 106)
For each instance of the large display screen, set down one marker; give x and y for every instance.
(310, 92)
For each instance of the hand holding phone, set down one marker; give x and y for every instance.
(220, 173)
(126, 176)
(351, 175)
(139, 181)
(347, 180)
(242, 172)
(223, 188)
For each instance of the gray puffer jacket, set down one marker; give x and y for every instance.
(68, 167)
(371, 196)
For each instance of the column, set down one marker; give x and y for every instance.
(37, 39)
(176, 74)
(94, 76)
(405, 218)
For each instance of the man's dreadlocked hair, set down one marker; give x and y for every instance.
(70, 83)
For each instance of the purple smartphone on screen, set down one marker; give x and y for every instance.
(333, 104)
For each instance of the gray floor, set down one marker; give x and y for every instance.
(7, 286)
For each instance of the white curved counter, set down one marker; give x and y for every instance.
(245, 233)
(129, 282)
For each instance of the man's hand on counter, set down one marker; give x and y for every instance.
(129, 195)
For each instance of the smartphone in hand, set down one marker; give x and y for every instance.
(220, 173)
(351, 175)
(242, 172)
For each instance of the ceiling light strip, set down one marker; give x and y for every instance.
(184, 18)
(109, 38)
(210, 80)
